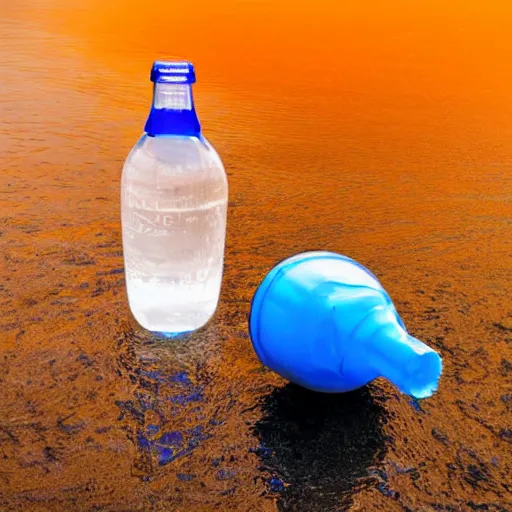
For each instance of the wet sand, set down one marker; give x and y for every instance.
(386, 137)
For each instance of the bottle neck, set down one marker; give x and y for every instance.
(172, 111)
(402, 359)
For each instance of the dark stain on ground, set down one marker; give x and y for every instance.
(321, 445)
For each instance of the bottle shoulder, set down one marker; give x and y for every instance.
(173, 153)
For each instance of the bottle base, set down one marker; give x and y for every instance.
(172, 310)
(171, 322)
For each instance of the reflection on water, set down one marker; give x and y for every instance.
(380, 130)
(165, 416)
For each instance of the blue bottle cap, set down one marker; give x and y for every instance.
(179, 72)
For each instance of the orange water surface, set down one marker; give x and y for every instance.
(380, 130)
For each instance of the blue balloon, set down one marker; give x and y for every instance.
(323, 321)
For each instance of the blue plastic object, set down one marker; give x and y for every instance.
(324, 321)
(173, 111)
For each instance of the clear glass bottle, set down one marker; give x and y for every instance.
(174, 195)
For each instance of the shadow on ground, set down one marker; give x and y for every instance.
(319, 448)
